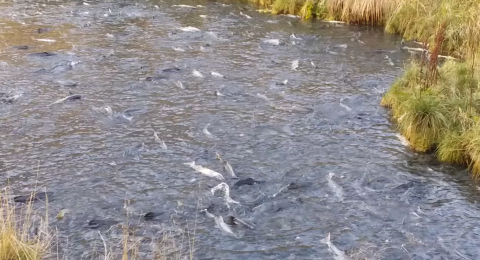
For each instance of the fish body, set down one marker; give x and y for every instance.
(229, 169)
(197, 74)
(216, 74)
(339, 254)
(189, 29)
(226, 191)
(223, 226)
(206, 132)
(45, 40)
(185, 6)
(403, 140)
(219, 94)
(274, 42)
(262, 96)
(245, 15)
(282, 83)
(295, 65)
(179, 84)
(160, 141)
(69, 98)
(334, 186)
(178, 49)
(205, 171)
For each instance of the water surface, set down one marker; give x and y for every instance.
(384, 201)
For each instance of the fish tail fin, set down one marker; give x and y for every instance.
(191, 164)
(326, 240)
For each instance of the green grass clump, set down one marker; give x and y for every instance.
(451, 148)
(403, 87)
(423, 120)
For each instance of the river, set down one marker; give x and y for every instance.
(382, 201)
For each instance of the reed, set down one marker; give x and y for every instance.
(18, 238)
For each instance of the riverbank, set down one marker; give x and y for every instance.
(435, 103)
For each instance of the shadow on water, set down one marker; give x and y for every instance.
(273, 124)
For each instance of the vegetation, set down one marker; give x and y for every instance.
(436, 104)
(17, 239)
(352, 11)
(25, 235)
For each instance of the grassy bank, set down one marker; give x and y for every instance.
(436, 103)
(371, 12)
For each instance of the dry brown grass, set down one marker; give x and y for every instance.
(24, 235)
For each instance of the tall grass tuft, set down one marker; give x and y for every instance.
(423, 120)
(308, 9)
(18, 240)
(285, 6)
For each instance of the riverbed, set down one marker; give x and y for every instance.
(318, 126)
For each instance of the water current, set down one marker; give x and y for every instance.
(325, 155)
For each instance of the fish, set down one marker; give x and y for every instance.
(245, 15)
(226, 191)
(235, 221)
(189, 29)
(336, 22)
(45, 40)
(274, 42)
(179, 84)
(403, 140)
(21, 47)
(187, 6)
(155, 78)
(197, 74)
(262, 96)
(313, 65)
(390, 62)
(229, 169)
(151, 215)
(248, 181)
(282, 83)
(339, 254)
(212, 34)
(346, 107)
(203, 16)
(295, 65)
(218, 93)
(69, 98)
(158, 140)
(223, 226)
(33, 197)
(43, 54)
(335, 187)
(294, 37)
(205, 171)
(216, 74)
(172, 69)
(206, 132)
(96, 223)
(178, 49)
